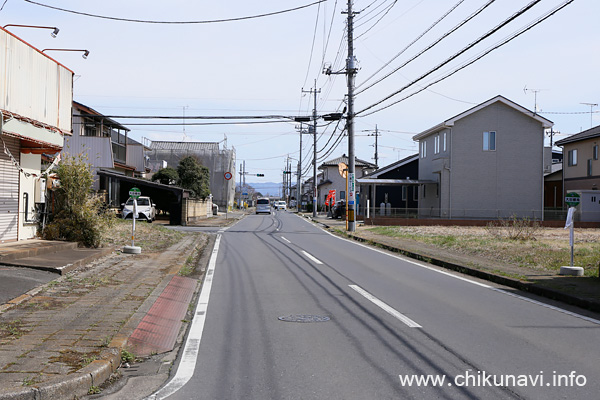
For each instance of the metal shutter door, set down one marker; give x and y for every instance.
(9, 191)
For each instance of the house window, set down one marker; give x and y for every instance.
(595, 152)
(404, 189)
(415, 194)
(489, 141)
(572, 157)
(444, 142)
(589, 167)
(436, 144)
(423, 149)
(342, 195)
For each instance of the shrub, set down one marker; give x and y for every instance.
(79, 215)
(514, 228)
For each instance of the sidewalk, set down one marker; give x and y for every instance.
(577, 291)
(66, 337)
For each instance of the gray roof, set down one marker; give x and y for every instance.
(392, 166)
(589, 134)
(190, 146)
(344, 159)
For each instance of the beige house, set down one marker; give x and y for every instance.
(581, 167)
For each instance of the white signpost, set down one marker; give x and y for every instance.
(572, 199)
(134, 193)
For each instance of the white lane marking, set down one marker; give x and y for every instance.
(386, 307)
(190, 352)
(286, 240)
(404, 258)
(315, 260)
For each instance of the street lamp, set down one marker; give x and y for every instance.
(85, 54)
(54, 29)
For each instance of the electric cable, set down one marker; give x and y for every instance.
(176, 22)
(463, 50)
(469, 62)
(436, 42)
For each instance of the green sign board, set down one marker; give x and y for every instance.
(572, 199)
(135, 193)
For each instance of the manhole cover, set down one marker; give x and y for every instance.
(303, 318)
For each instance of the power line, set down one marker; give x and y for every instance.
(176, 22)
(463, 50)
(466, 64)
(436, 42)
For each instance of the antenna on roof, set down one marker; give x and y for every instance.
(592, 105)
(184, 134)
(535, 92)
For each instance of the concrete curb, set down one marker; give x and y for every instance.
(502, 280)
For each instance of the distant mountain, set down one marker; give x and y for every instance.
(267, 188)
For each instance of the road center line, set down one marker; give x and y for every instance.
(186, 367)
(386, 307)
(315, 260)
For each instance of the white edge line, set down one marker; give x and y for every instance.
(315, 260)
(539, 303)
(286, 240)
(385, 307)
(186, 367)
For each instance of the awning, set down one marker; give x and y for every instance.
(35, 139)
(373, 181)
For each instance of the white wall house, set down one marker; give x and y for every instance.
(486, 162)
(35, 101)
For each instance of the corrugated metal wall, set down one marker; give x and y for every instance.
(33, 85)
(9, 191)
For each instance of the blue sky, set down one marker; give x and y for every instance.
(260, 66)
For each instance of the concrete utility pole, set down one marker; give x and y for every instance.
(315, 91)
(376, 134)
(299, 180)
(351, 73)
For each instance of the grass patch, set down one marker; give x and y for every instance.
(75, 359)
(538, 252)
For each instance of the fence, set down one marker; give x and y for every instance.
(193, 210)
(436, 216)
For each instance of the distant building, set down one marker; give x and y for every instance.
(581, 169)
(332, 178)
(218, 161)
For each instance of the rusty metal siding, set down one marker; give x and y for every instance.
(34, 85)
(9, 191)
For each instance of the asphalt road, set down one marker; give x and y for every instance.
(15, 281)
(296, 313)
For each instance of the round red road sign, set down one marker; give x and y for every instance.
(228, 175)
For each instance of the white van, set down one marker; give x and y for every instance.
(263, 205)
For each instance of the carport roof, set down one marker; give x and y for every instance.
(124, 178)
(373, 181)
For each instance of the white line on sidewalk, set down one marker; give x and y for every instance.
(386, 307)
(186, 367)
(315, 260)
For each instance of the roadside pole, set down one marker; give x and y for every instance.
(572, 199)
(134, 193)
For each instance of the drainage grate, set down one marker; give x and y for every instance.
(303, 318)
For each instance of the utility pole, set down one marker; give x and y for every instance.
(351, 73)
(315, 91)
(241, 175)
(376, 134)
(299, 176)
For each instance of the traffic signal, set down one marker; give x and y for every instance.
(260, 174)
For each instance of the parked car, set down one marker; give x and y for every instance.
(145, 207)
(280, 205)
(263, 205)
(339, 209)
